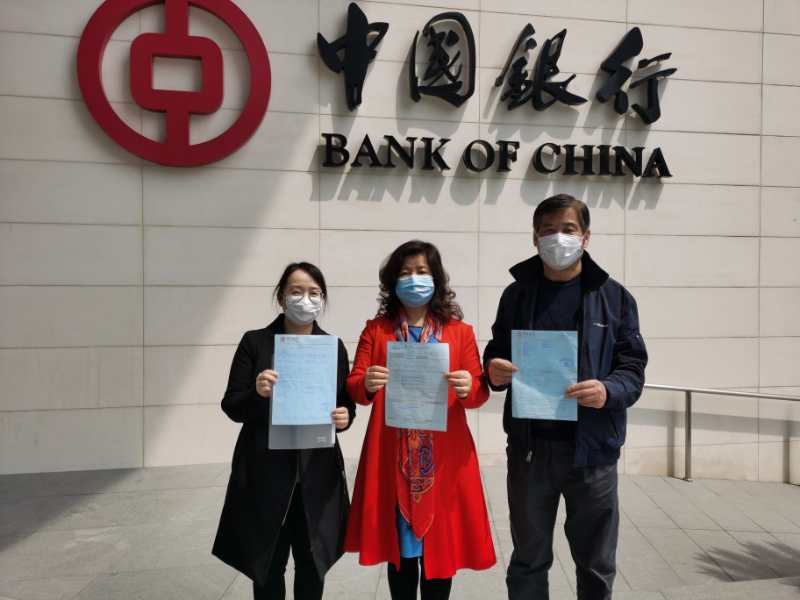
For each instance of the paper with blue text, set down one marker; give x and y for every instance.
(416, 394)
(548, 365)
(305, 393)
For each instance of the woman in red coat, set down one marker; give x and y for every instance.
(418, 497)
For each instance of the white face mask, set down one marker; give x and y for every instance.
(560, 251)
(302, 309)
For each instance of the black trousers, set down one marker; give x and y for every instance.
(294, 534)
(403, 582)
(592, 524)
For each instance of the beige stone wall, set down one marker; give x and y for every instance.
(124, 286)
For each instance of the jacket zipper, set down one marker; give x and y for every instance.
(532, 308)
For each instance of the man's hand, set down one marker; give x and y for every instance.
(500, 371)
(591, 393)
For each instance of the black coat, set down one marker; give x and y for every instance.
(611, 349)
(262, 480)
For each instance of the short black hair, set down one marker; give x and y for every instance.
(312, 271)
(558, 203)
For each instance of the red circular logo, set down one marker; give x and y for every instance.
(177, 106)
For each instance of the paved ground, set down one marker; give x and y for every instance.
(146, 534)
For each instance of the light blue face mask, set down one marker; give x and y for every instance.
(414, 290)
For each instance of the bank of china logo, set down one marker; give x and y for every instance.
(178, 106)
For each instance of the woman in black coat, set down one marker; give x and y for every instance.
(278, 499)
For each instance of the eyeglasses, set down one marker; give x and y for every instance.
(312, 294)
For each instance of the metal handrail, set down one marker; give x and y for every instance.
(688, 391)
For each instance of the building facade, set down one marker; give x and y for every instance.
(125, 286)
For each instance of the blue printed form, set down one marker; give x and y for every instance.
(548, 365)
(416, 395)
(305, 393)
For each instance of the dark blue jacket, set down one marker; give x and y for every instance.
(611, 349)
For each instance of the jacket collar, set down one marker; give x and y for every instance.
(278, 326)
(531, 270)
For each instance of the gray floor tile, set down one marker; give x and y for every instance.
(147, 533)
(242, 589)
(641, 509)
(135, 480)
(48, 554)
(479, 585)
(642, 566)
(775, 589)
(725, 514)
(349, 579)
(756, 508)
(739, 561)
(90, 511)
(23, 485)
(785, 554)
(684, 555)
(382, 592)
(193, 583)
(780, 555)
(678, 508)
(638, 595)
(29, 514)
(56, 588)
(175, 544)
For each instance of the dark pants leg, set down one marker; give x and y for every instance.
(592, 528)
(403, 582)
(294, 534)
(592, 521)
(533, 492)
(434, 589)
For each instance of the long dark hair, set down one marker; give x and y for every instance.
(312, 271)
(442, 306)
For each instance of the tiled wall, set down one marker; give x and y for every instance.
(124, 287)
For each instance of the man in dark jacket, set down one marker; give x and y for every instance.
(563, 289)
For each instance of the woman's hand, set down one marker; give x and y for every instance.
(375, 378)
(340, 416)
(265, 381)
(460, 381)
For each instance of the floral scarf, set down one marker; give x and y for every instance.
(415, 473)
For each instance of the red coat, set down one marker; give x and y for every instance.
(460, 536)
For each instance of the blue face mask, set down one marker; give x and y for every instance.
(414, 290)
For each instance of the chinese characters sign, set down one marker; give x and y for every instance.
(445, 76)
(447, 72)
(441, 65)
(353, 52)
(630, 47)
(523, 86)
(450, 70)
